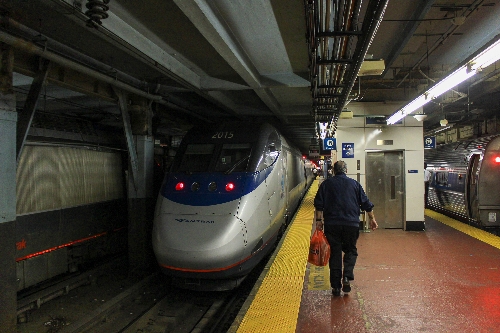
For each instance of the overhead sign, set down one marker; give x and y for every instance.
(313, 151)
(429, 142)
(329, 144)
(347, 150)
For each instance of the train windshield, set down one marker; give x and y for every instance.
(197, 157)
(233, 157)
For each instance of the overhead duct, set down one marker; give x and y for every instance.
(337, 49)
(372, 67)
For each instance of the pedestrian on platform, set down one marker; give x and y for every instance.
(338, 204)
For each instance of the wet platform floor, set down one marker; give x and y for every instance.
(438, 280)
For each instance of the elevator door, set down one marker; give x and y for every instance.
(385, 187)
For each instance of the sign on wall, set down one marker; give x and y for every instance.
(329, 144)
(429, 142)
(347, 150)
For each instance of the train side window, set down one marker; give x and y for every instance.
(197, 157)
(271, 151)
(234, 157)
(442, 178)
(270, 155)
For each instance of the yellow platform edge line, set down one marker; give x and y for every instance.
(479, 234)
(275, 304)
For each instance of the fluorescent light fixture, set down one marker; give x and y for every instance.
(487, 57)
(396, 117)
(479, 62)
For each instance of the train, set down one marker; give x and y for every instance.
(225, 201)
(465, 181)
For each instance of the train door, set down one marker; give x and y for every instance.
(471, 187)
(385, 187)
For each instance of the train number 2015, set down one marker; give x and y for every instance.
(223, 135)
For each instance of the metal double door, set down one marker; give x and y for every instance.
(385, 187)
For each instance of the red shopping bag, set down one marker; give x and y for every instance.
(319, 250)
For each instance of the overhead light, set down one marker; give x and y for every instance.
(420, 117)
(396, 117)
(443, 122)
(479, 62)
(443, 129)
(346, 115)
(438, 130)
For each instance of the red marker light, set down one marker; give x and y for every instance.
(497, 159)
(179, 186)
(229, 187)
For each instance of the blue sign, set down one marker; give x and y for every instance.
(347, 150)
(329, 144)
(412, 171)
(429, 142)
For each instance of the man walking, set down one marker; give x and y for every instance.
(337, 204)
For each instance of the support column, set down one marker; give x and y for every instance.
(8, 123)
(141, 209)
(136, 115)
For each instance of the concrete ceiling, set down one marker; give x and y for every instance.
(202, 61)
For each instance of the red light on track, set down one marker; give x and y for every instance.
(179, 186)
(497, 159)
(229, 187)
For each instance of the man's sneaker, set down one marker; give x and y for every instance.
(336, 292)
(346, 285)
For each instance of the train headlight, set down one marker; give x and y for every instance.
(212, 186)
(230, 187)
(195, 186)
(497, 159)
(179, 186)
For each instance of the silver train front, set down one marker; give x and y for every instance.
(465, 180)
(213, 232)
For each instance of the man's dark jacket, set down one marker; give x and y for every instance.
(341, 199)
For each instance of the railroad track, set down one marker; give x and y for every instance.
(155, 306)
(150, 305)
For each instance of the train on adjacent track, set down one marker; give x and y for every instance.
(229, 195)
(466, 180)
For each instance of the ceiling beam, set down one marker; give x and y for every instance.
(207, 21)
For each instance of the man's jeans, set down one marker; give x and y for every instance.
(341, 239)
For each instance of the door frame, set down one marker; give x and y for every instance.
(403, 179)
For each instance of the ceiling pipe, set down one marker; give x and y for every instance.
(31, 48)
(70, 53)
(120, 80)
(331, 31)
(373, 17)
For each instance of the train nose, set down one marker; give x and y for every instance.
(191, 242)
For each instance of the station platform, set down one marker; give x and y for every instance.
(443, 279)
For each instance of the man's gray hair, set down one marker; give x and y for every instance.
(339, 167)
